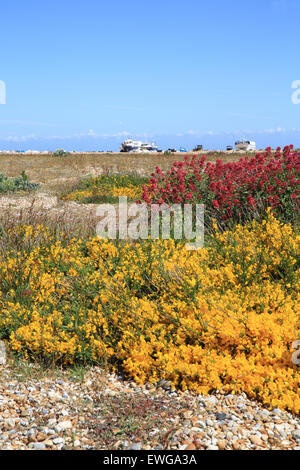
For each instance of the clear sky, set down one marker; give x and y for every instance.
(85, 74)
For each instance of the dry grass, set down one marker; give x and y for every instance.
(67, 219)
(61, 173)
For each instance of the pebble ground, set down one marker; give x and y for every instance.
(96, 410)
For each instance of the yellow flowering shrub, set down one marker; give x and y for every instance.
(130, 191)
(108, 188)
(223, 317)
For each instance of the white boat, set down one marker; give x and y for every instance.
(136, 146)
(245, 145)
(149, 147)
(129, 145)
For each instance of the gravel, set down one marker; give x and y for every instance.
(102, 411)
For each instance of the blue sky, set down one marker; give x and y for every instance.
(84, 75)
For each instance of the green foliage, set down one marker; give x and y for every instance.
(60, 153)
(113, 180)
(18, 183)
(107, 188)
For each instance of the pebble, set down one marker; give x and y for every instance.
(296, 435)
(60, 413)
(38, 445)
(136, 446)
(63, 425)
(221, 444)
(256, 440)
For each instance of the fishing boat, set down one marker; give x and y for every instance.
(130, 145)
(136, 146)
(245, 145)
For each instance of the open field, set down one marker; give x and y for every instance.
(58, 176)
(57, 173)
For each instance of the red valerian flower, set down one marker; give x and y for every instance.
(269, 178)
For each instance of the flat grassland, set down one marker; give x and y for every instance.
(61, 173)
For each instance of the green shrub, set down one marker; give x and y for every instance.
(18, 183)
(60, 153)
